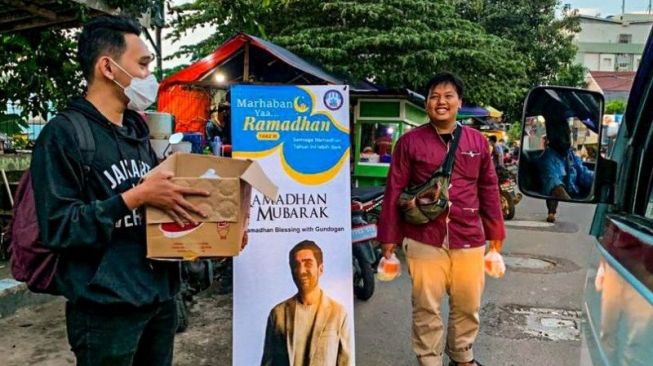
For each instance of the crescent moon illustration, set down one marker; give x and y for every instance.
(301, 108)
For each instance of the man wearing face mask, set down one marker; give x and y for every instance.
(120, 308)
(562, 172)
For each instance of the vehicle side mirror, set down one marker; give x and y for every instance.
(174, 139)
(560, 154)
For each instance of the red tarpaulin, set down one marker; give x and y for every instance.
(191, 106)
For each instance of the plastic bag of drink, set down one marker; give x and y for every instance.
(388, 269)
(494, 265)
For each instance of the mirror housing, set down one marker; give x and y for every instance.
(174, 139)
(561, 149)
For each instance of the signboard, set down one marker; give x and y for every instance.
(290, 306)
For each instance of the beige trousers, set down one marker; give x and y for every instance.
(434, 272)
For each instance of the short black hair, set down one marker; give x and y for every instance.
(305, 244)
(446, 78)
(103, 35)
(492, 138)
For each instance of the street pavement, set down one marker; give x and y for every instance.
(530, 316)
(507, 336)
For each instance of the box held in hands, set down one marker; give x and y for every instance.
(221, 233)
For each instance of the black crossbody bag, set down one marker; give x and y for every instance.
(424, 202)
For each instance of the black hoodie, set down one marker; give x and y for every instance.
(83, 217)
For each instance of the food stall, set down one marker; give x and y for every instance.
(378, 122)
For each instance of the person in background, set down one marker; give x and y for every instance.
(218, 137)
(515, 151)
(544, 142)
(502, 144)
(496, 151)
(219, 127)
(582, 153)
(562, 173)
(368, 155)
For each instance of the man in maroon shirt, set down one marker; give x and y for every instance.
(446, 254)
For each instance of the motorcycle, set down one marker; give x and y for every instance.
(508, 190)
(365, 208)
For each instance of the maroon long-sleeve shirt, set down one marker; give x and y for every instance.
(474, 214)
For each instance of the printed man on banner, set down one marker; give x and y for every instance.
(310, 328)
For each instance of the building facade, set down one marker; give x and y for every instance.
(612, 44)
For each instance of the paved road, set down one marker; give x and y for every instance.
(383, 323)
(512, 332)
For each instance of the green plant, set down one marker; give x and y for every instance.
(11, 124)
(615, 107)
(20, 141)
(514, 132)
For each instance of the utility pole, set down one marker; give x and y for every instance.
(156, 20)
(623, 8)
(159, 25)
(649, 7)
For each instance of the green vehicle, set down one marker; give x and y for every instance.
(618, 294)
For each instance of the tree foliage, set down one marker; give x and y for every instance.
(615, 107)
(227, 16)
(137, 7)
(11, 124)
(396, 43)
(500, 48)
(39, 70)
(545, 41)
(402, 43)
(514, 132)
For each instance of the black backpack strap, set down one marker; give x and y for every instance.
(84, 138)
(447, 167)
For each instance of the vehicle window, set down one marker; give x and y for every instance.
(634, 251)
(643, 205)
(648, 211)
(649, 207)
(377, 141)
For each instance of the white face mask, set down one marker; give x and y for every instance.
(140, 92)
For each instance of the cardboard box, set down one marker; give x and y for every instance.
(220, 234)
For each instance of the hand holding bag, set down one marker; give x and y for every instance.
(424, 202)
